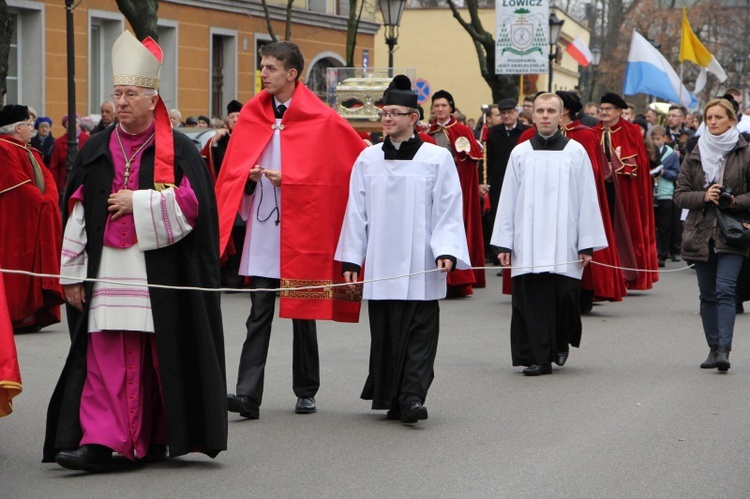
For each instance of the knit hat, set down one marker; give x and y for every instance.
(42, 119)
(234, 106)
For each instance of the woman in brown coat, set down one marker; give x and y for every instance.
(715, 173)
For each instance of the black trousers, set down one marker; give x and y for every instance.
(545, 319)
(404, 338)
(668, 228)
(305, 359)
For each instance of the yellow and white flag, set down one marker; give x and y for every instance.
(691, 49)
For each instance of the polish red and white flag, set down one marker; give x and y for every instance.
(580, 52)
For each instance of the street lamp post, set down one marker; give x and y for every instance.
(72, 141)
(392, 11)
(555, 27)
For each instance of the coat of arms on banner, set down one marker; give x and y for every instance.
(521, 45)
(526, 37)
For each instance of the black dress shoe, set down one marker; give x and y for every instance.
(537, 369)
(413, 411)
(710, 362)
(305, 405)
(90, 457)
(244, 405)
(156, 454)
(560, 358)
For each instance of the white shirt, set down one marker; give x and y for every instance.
(548, 210)
(401, 215)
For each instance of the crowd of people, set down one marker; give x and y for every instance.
(576, 203)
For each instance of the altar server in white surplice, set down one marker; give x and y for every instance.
(548, 226)
(404, 216)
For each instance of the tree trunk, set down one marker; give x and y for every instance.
(6, 31)
(142, 16)
(352, 25)
(502, 86)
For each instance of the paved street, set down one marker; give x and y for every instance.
(630, 415)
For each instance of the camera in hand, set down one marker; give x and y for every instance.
(725, 197)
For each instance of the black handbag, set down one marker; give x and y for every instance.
(735, 228)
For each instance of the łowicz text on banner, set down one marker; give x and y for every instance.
(521, 36)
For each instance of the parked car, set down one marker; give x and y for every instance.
(199, 136)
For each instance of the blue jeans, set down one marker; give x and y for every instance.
(717, 280)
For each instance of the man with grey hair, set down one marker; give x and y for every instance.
(107, 110)
(145, 371)
(547, 227)
(30, 233)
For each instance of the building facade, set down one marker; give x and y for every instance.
(210, 50)
(443, 54)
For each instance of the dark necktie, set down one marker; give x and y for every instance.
(280, 111)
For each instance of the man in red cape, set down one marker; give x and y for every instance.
(287, 144)
(626, 154)
(605, 283)
(10, 374)
(59, 161)
(30, 225)
(459, 140)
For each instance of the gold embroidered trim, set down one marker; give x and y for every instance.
(339, 293)
(136, 81)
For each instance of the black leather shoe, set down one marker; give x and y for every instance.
(560, 358)
(156, 454)
(305, 405)
(722, 359)
(710, 362)
(537, 369)
(244, 405)
(91, 457)
(413, 411)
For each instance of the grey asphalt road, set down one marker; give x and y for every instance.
(630, 415)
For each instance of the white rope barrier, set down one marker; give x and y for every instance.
(323, 286)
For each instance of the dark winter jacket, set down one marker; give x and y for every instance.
(700, 226)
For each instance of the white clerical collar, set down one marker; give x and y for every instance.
(277, 103)
(444, 123)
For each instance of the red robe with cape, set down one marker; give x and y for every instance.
(631, 171)
(318, 150)
(30, 237)
(466, 153)
(10, 374)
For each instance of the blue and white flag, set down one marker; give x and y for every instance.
(648, 72)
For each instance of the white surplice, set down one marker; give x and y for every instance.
(548, 210)
(401, 215)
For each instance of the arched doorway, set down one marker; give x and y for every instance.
(316, 74)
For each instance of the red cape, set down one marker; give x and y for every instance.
(318, 150)
(460, 282)
(10, 374)
(636, 192)
(31, 232)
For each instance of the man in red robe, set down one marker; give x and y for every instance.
(459, 140)
(30, 225)
(599, 282)
(10, 374)
(58, 165)
(627, 159)
(287, 171)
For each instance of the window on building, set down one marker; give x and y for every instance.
(168, 75)
(104, 28)
(317, 6)
(223, 70)
(25, 81)
(343, 8)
